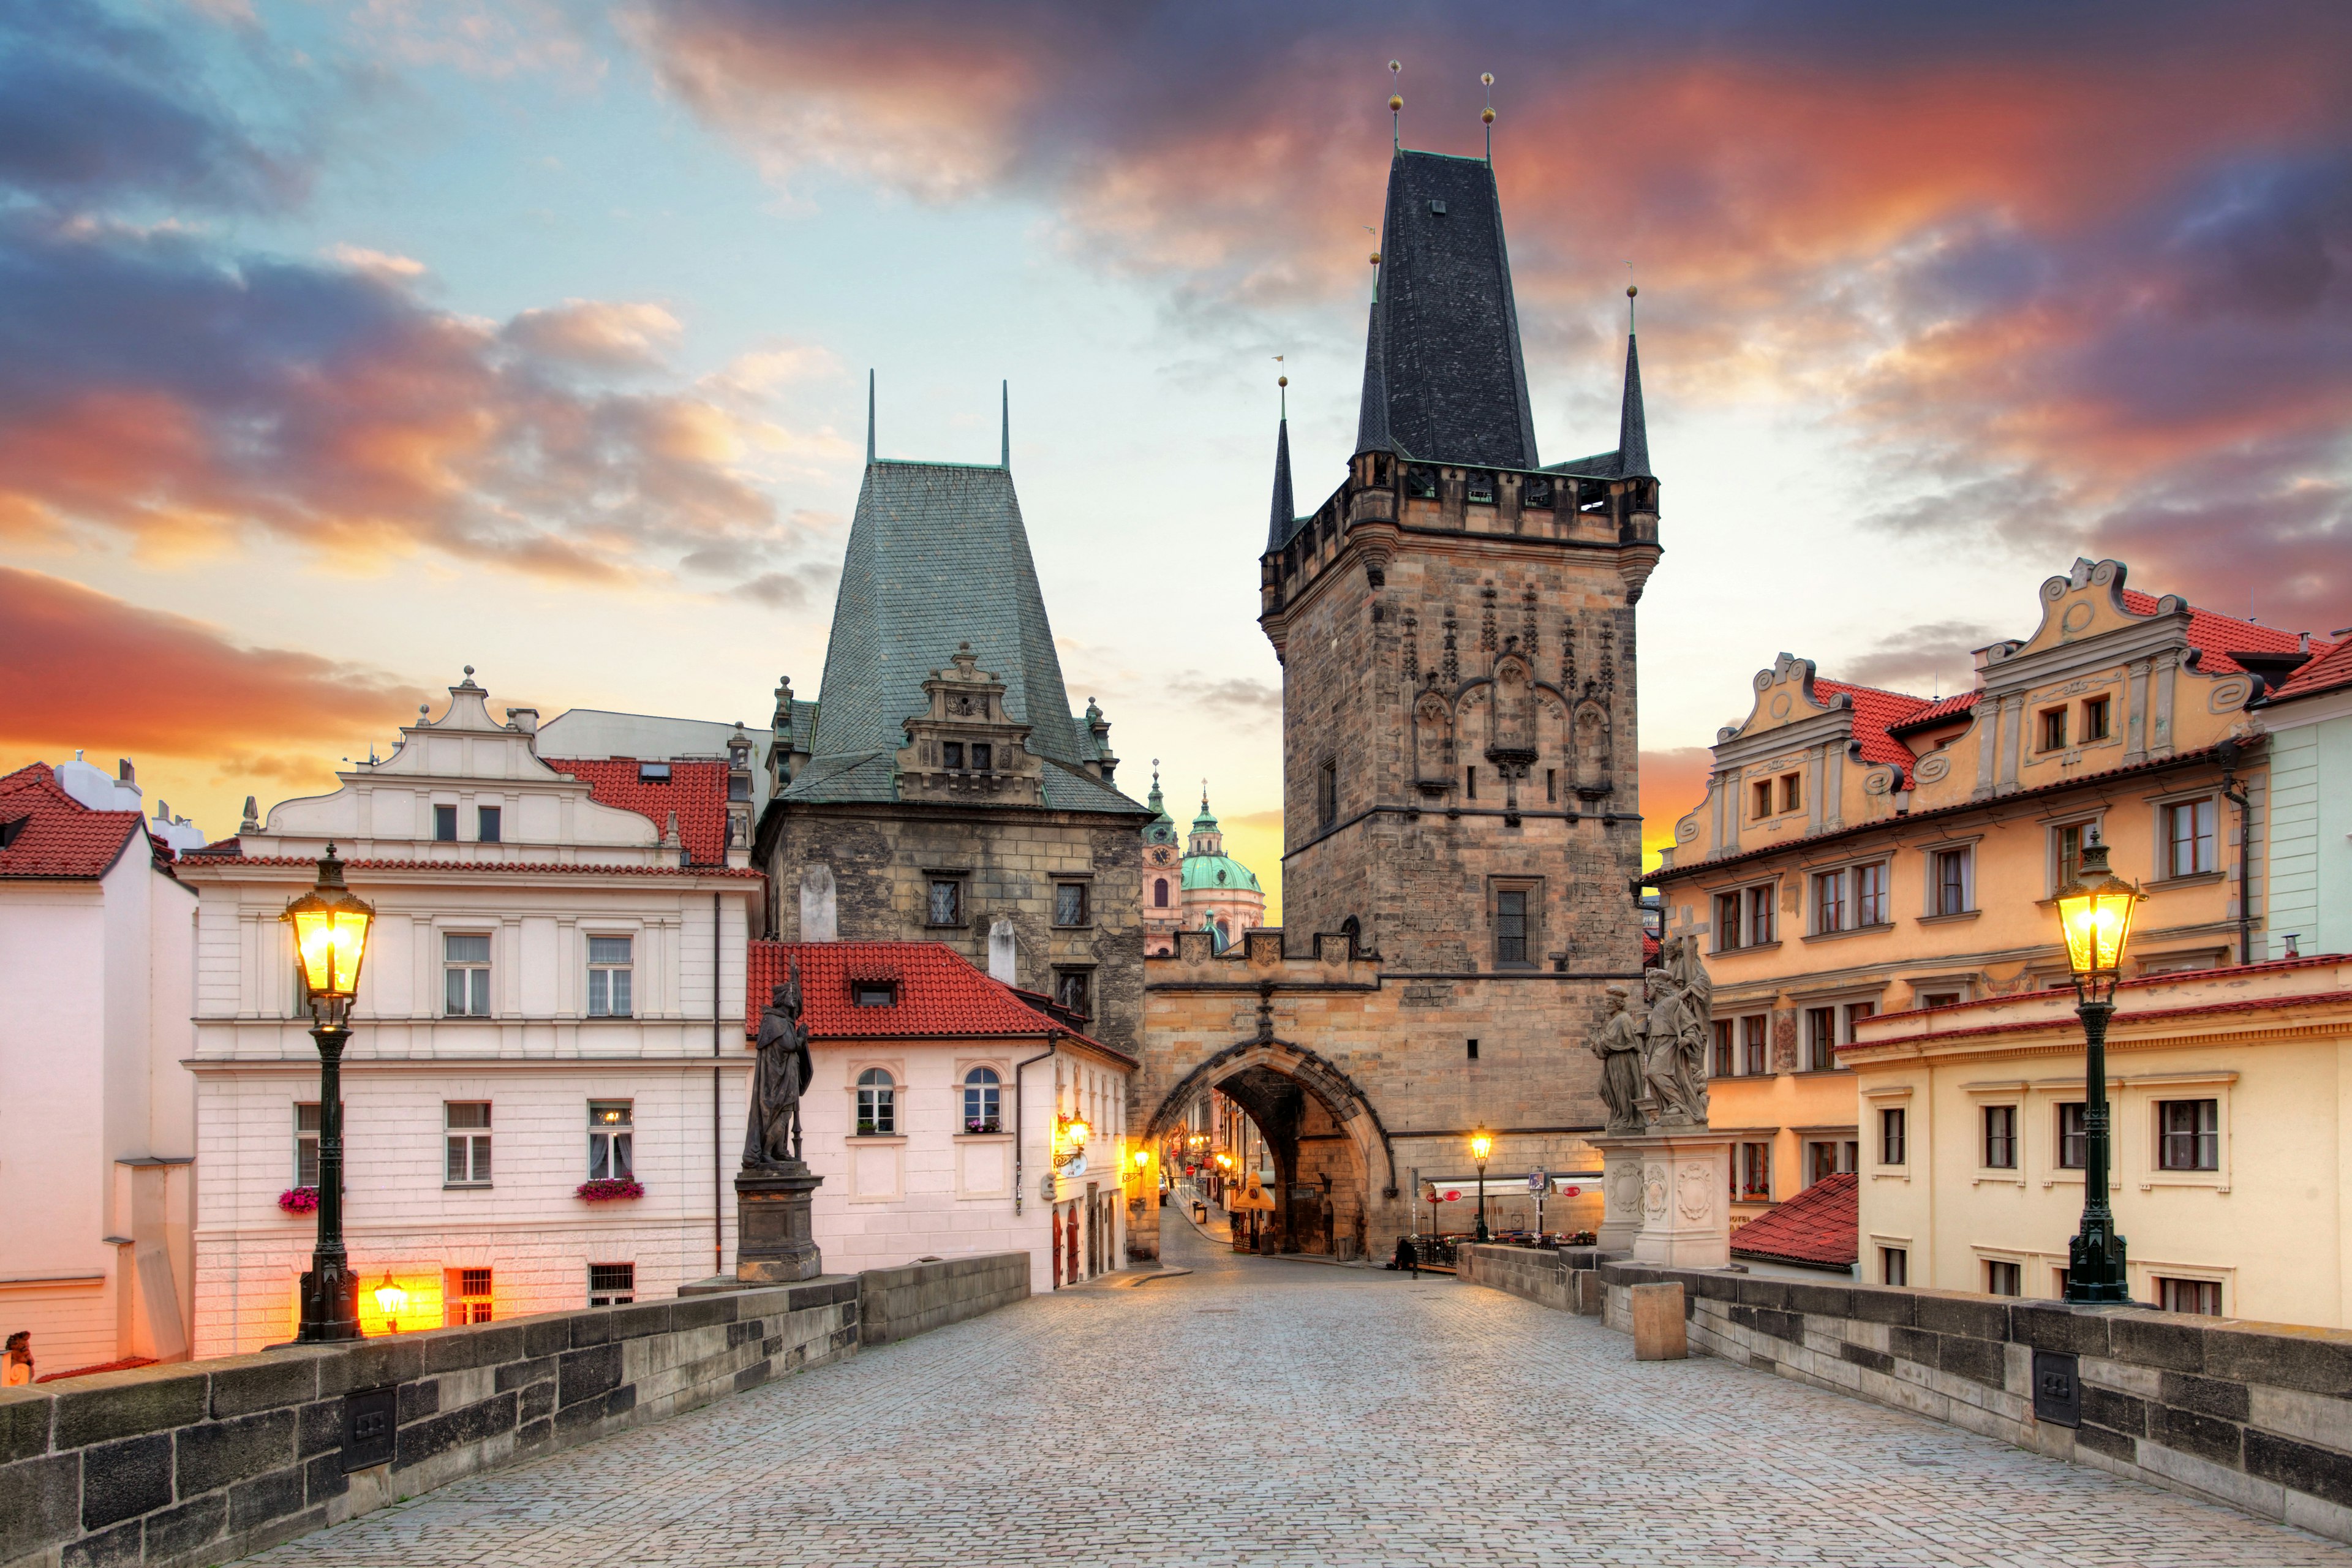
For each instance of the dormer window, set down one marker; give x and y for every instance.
(653, 772)
(874, 992)
(11, 828)
(952, 753)
(983, 757)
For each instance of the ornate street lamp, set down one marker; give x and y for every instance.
(2094, 911)
(1482, 1143)
(330, 932)
(390, 1301)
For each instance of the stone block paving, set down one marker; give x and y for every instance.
(1265, 1412)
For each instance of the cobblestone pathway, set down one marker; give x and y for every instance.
(1262, 1412)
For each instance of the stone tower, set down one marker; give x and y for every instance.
(1456, 624)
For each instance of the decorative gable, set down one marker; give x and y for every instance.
(966, 748)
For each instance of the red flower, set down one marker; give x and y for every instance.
(607, 1190)
(298, 1200)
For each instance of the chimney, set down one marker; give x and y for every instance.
(123, 771)
(525, 720)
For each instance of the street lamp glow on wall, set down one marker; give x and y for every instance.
(390, 1301)
(2095, 912)
(1482, 1143)
(330, 934)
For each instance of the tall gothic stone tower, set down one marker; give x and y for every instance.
(1455, 623)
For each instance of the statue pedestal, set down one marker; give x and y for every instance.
(1666, 1197)
(774, 1244)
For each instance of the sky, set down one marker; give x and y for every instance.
(345, 344)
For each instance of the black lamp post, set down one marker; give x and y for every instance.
(1482, 1143)
(330, 931)
(2094, 908)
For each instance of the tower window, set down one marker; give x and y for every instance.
(951, 754)
(1470, 782)
(1474, 1051)
(1482, 486)
(1327, 794)
(983, 758)
(1160, 893)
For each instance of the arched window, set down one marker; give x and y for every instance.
(877, 1104)
(1160, 894)
(1353, 929)
(981, 1106)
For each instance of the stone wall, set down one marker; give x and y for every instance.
(1560, 1278)
(2258, 1415)
(898, 1303)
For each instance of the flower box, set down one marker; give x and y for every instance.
(298, 1200)
(983, 1124)
(606, 1191)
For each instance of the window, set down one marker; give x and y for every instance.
(877, 1104)
(469, 1124)
(1829, 901)
(1723, 1066)
(1949, 892)
(1870, 895)
(1470, 782)
(1793, 794)
(2066, 852)
(873, 994)
(1830, 1157)
(983, 757)
(2094, 718)
(612, 1284)
(1511, 926)
(1474, 1051)
(1856, 1011)
(2001, 1137)
(653, 772)
(2190, 1296)
(465, 975)
(2054, 738)
(1752, 1174)
(466, 1293)
(2003, 1279)
(1937, 998)
(610, 1125)
(1755, 1050)
(1760, 915)
(445, 825)
(608, 976)
(1894, 1266)
(1891, 1149)
(1551, 785)
(1074, 989)
(1160, 893)
(1070, 903)
(306, 1144)
(982, 1103)
(738, 787)
(1327, 794)
(1761, 793)
(2073, 1136)
(1820, 1038)
(951, 754)
(1726, 922)
(486, 823)
(2188, 838)
(1480, 484)
(2188, 1134)
(946, 901)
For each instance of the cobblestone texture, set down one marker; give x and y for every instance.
(1270, 1411)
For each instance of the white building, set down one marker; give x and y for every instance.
(2310, 721)
(943, 1114)
(97, 1113)
(553, 995)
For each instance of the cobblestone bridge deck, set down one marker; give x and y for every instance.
(1266, 1411)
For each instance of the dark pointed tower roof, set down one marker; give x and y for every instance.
(1278, 527)
(1444, 380)
(1633, 430)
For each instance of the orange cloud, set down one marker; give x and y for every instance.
(1674, 783)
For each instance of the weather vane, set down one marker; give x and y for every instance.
(1396, 106)
(1488, 79)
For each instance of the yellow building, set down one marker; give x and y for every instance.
(2230, 1092)
(1862, 852)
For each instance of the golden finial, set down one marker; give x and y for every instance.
(1282, 380)
(1486, 78)
(1396, 105)
(1376, 259)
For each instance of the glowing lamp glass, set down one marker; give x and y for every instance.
(330, 934)
(1143, 1158)
(390, 1299)
(1481, 1145)
(1076, 1133)
(2095, 913)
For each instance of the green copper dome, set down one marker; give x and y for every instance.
(1217, 874)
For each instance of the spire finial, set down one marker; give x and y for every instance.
(1487, 78)
(1282, 383)
(869, 416)
(1396, 107)
(1630, 291)
(1005, 444)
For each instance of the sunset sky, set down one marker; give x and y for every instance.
(346, 343)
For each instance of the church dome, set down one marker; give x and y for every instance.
(1218, 873)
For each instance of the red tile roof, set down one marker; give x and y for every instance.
(61, 837)
(938, 993)
(508, 868)
(1936, 712)
(1818, 1227)
(2325, 673)
(2218, 636)
(696, 791)
(1874, 712)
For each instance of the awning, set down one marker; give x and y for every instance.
(1576, 1184)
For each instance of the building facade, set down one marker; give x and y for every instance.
(544, 1092)
(948, 1116)
(1200, 888)
(2309, 717)
(942, 789)
(1973, 1141)
(1862, 852)
(1455, 622)
(98, 1126)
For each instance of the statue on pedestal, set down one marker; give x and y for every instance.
(773, 1136)
(773, 1240)
(1618, 1044)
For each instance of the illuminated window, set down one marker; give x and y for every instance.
(611, 1127)
(612, 1284)
(466, 1294)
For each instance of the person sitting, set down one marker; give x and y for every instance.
(1408, 1259)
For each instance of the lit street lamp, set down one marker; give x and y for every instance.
(2094, 910)
(1482, 1143)
(390, 1301)
(330, 931)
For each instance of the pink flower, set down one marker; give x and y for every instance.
(605, 1191)
(298, 1200)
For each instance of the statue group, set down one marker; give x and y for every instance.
(1653, 1062)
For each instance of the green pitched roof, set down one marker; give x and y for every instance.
(938, 556)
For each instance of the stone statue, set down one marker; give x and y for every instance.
(1673, 1051)
(774, 1136)
(1618, 1044)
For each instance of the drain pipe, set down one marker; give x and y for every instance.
(2236, 795)
(1021, 1114)
(717, 1142)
